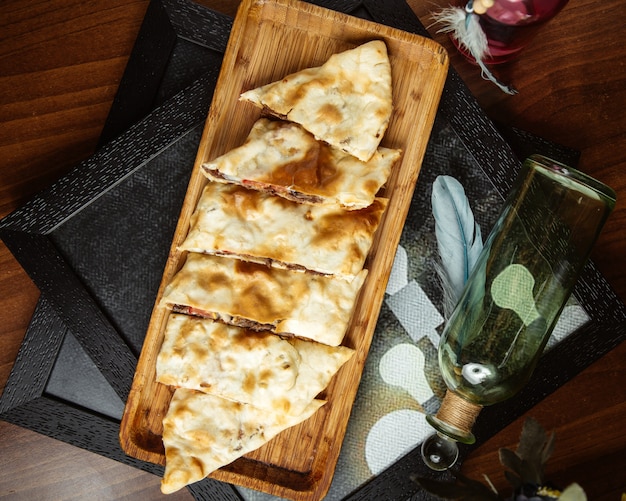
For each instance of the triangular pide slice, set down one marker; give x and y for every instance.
(260, 297)
(257, 368)
(234, 221)
(202, 433)
(282, 158)
(346, 102)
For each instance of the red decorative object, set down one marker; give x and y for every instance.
(511, 24)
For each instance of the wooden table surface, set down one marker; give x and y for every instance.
(60, 64)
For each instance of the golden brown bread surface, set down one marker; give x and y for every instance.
(346, 102)
(234, 221)
(282, 158)
(203, 432)
(257, 368)
(307, 305)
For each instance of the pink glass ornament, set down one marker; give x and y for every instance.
(511, 24)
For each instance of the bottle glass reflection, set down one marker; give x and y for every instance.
(517, 290)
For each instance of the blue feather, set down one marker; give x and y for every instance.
(458, 237)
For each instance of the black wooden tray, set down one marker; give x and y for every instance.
(96, 241)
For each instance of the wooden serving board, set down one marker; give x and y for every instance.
(270, 39)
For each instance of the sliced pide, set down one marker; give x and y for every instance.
(202, 433)
(273, 263)
(260, 297)
(257, 368)
(346, 102)
(234, 221)
(281, 158)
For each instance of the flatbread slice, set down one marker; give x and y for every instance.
(257, 368)
(346, 102)
(283, 159)
(259, 297)
(234, 221)
(202, 433)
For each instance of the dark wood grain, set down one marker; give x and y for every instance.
(60, 65)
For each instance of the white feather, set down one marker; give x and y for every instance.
(458, 237)
(464, 27)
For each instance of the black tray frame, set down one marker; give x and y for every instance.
(67, 306)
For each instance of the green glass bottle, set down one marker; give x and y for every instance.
(515, 294)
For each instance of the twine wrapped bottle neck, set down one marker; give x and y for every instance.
(458, 412)
(456, 417)
(453, 422)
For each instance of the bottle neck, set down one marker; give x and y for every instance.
(456, 417)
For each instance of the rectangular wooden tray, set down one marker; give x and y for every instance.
(269, 40)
